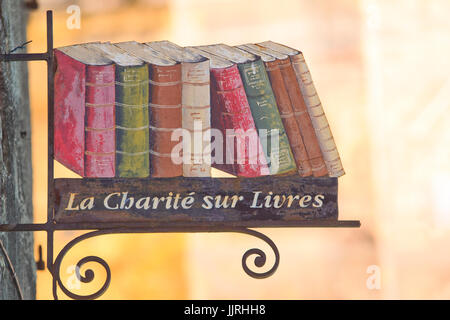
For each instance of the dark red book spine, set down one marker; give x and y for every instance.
(84, 137)
(230, 110)
(69, 110)
(100, 122)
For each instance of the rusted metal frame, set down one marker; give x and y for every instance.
(48, 57)
(180, 227)
(89, 274)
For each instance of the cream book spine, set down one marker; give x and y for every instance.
(318, 117)
(196, 117)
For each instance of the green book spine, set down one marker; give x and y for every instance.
(266, 116)
(132, 126)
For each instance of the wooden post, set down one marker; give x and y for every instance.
(15, 158)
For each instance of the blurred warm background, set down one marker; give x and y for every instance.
(381, 68)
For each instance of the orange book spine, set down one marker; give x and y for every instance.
(301, 114)
(287, 116)
(165, 117)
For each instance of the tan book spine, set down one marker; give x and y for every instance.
(196, 117)
(318, 118)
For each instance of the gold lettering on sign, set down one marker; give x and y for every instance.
(304, 201)
(70, 204)
(176, 201)
(318, 201)
(87, 203)
(106, 201)
(187, 202)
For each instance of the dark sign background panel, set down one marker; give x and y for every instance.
(197, 201)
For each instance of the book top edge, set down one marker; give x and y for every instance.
(85, 55)
(278, 47)
(268, 51)
(145, 53)
(264, 56)
(230, 53)
(216, 62)
(116, 54)
(175, 51)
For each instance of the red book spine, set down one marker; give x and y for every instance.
(100, 122)
(221, 122)
(69, 111)
(232, 111)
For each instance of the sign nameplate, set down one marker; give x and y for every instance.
(196, 200)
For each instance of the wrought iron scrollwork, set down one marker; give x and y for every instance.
(260, 259)
(89, 275)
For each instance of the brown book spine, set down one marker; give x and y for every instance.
(302, 116)
(288, 118)
(165, 117)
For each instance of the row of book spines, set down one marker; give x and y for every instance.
(293, 153)
(296, 106)
(314, 150)
(124, 124)
(305, 146)
(128, 157)
(266, 115)
(132, 122)
(230, 110)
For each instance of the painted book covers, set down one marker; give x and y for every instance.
(118, 108)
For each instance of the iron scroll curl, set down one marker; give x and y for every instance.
(88, 275)
(261, 258)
